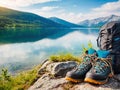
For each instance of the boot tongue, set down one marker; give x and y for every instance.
(91, 51)
(103, 53)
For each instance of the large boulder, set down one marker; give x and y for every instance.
(57, 68)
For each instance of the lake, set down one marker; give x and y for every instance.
(20, 54)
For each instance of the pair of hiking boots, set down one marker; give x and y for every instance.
(95, 68)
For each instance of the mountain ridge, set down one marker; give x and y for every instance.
(64, 22)
(98, 22)
(14, 18)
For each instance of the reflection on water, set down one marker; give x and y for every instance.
(18, 56)
(19, 35)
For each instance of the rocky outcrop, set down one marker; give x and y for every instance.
(46, 82)
(57, 68)
(54, 79)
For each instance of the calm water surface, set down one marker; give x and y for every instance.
(19, 56)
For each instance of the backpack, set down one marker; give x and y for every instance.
(109, 39)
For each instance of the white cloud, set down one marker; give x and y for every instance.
(47, 8)
(108, 7)
(45, 11)
(21, 3)
(104, 10)
(72, 17)
(60, 13)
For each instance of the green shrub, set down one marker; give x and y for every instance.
(19, 82)
(64, 57)
(70, 57)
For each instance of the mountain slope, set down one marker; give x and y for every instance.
(63, 22)
(10, 18)
(98, 22)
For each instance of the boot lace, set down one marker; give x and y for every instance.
(102, 64)
(87, 60)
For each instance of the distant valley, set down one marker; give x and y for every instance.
(64, 22)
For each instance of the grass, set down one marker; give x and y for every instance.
(25, 79)
(22, 81)
(70, 57)
(64, 58)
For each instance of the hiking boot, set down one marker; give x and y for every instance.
(78, 74)
(101, 70)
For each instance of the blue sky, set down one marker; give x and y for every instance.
(70, 10)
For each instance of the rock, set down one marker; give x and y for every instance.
(58, 68)
(61, 68)
(44, 65)
(50, 80)
(112, 84)
(46, 82)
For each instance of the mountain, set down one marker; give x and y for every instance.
(17, 26)
(14, 18)
(63, 22)
(98, 22)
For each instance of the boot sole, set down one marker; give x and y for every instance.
(90, 80)
(73, 80)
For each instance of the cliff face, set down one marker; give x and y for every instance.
(52, 78)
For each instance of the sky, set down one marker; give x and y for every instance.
(70, 10)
